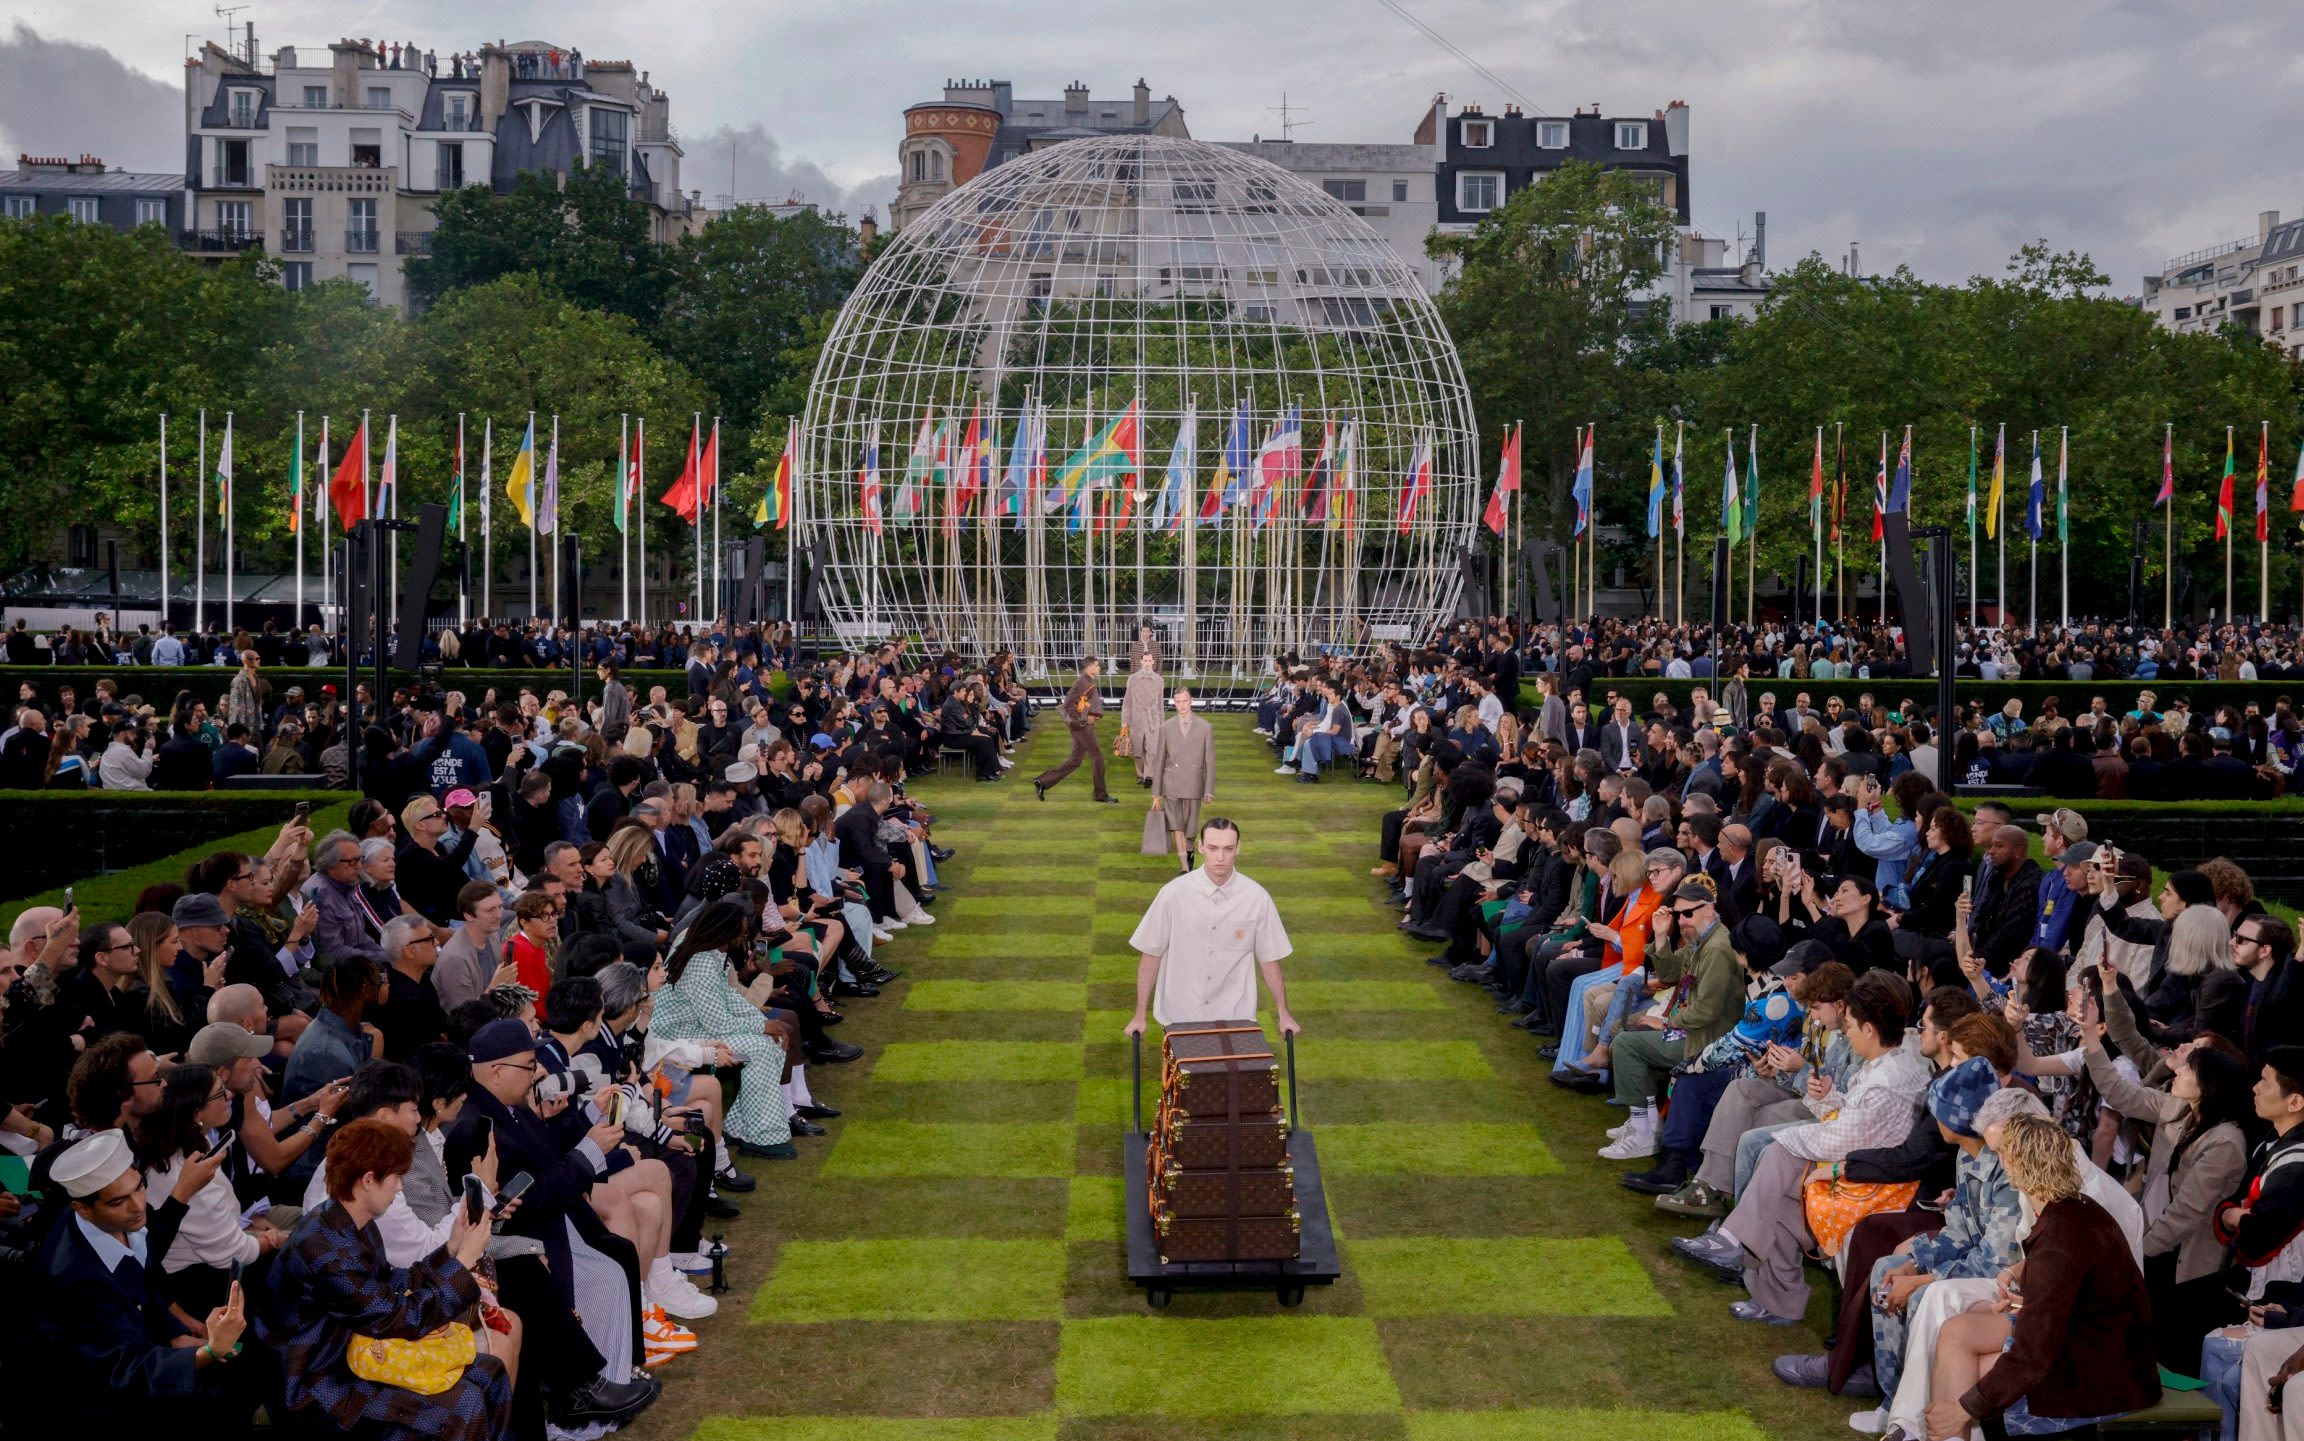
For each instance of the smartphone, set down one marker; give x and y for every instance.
(1967, 887)
(513, 1190)
(487, 1130)
(303, 811)
(223, 1139)
(238, 1266)
(612, 1108)
(475, 1199)
(68, 900)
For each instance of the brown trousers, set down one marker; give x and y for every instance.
(1084, 747)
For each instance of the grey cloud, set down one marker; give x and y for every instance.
(60, 97)
(764, 172)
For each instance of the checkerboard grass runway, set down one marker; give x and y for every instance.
(948, 1265)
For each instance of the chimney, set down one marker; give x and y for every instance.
(2265, 221)
(344, 74)
(1760, 239)
(868, 228)
(1075, 99)
(251, 44)
(1143, 102)
(1676, 128)
(495, 86)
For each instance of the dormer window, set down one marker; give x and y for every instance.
(1479, 134)
(1552, 135)
(1631, 135)
(243, 106)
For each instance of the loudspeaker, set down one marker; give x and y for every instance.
(1911, 595)
(2136, 576)
(1720, 560)
(1550, 599)
(569, 556)
(416, 590)
(1799, 585)
(811, 582)
(1472, 599)
(751, 560)
(357, 593)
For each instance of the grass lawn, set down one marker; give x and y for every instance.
(947, 1265)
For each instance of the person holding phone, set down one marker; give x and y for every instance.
(194, 1272)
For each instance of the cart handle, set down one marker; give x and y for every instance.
(1136, 1080)
(1293, 1119)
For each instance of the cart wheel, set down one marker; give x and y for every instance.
(1291, 1295)
(1157, 1298)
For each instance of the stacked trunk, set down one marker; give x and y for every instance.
(1222, 1186)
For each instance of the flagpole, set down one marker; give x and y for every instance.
(487, 533)
(623, 536)
(790, 520)
(1973, 607)
(2264, 526)
(1816, 523)
(531, 522)
(640, 505)
(200, 541)
(320, 515)
(2000, 523)
(2168, 542)
(464, 570)
(1840, 521)
(163, 517)
(1752, 540)
(2063, 533)
(1727, 573)
(1591, 531)
(719, 601)
(392, 481)
(1882, 502)
(1679, 528)
(296, 503)
(2032, 591)
(1659, 524)
(552, 464)
(2228, 529)
(696, 421)
(224, 498)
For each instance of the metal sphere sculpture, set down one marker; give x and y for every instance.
(1138, 380)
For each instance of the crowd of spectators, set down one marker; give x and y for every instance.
(417, 1126)
(2028, 1101)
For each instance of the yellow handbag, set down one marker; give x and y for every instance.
(426, 1366)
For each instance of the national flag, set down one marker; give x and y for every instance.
(521, 484)
(1225, 486)
(2036, 498)
(348, 489)
(1880, 493)
(1017, 483)
(1346, 478)
(919, 467)
(962, 481)
(1037, 477)
(387, 475)
(1583, 487)
(1752, 484)
(1679, 481)
(548, 508)
(2224, 495)
(1279, 461)
(1900, 489)
(682, 497)
(776, 500)
(2264, 484)
(1321, 477)
(1816, 489)
(1971, 483)
(1493, 515)
(456, 496)
(868, 480)
(1731, 504)
(707, 470)
(1107, 455)
(320, 495)
(224, 472)
(1839, 486)
(2168, 469)
(2296, 486)
(2063, 511)
(296, 478)
(1656, 484)
(1419, 483)
(1997, 496)
(1175, 501)
(628, 484)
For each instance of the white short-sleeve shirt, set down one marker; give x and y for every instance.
(1210, 939)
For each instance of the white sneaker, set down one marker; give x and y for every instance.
(893, 925)
(881, 938)
(1637, 1143)
(925, 918)
(691, 1263)
(1284, 770)
(1006, 764)
(1871, 1422)
(676, 1293)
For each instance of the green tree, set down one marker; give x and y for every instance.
(742, 293)
(589, 239)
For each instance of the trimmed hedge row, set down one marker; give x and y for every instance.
(66, 834)
(158, 685)
(110, 897)
(2119, 695)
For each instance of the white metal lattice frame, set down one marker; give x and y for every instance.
(1183, 277)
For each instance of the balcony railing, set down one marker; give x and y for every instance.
(230, 239)
(295, 239)
(360, 242)
(448, 177)
(412, 242)
(232, 177)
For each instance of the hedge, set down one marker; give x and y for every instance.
(114, 830)
(2119, 695)
(111, 897)
(157, 685)
(2257, 835)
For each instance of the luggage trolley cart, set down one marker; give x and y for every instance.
(1315, 1263)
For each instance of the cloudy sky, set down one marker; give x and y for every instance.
(1940, 135)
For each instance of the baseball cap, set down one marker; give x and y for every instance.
(499, 1040)
(2079, 853)
(198, 908)
(461, 796)
(2073, 824)
(219, 1043)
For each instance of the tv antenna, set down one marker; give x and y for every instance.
(1289, 124)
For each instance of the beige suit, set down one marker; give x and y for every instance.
(1182, 765)
(1140, 707)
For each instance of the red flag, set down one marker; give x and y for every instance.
(349, 488)
(2264, 484)
(1509, 481)
(682, 496)
(708, 469)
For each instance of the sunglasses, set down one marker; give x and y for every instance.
(1686, 910)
